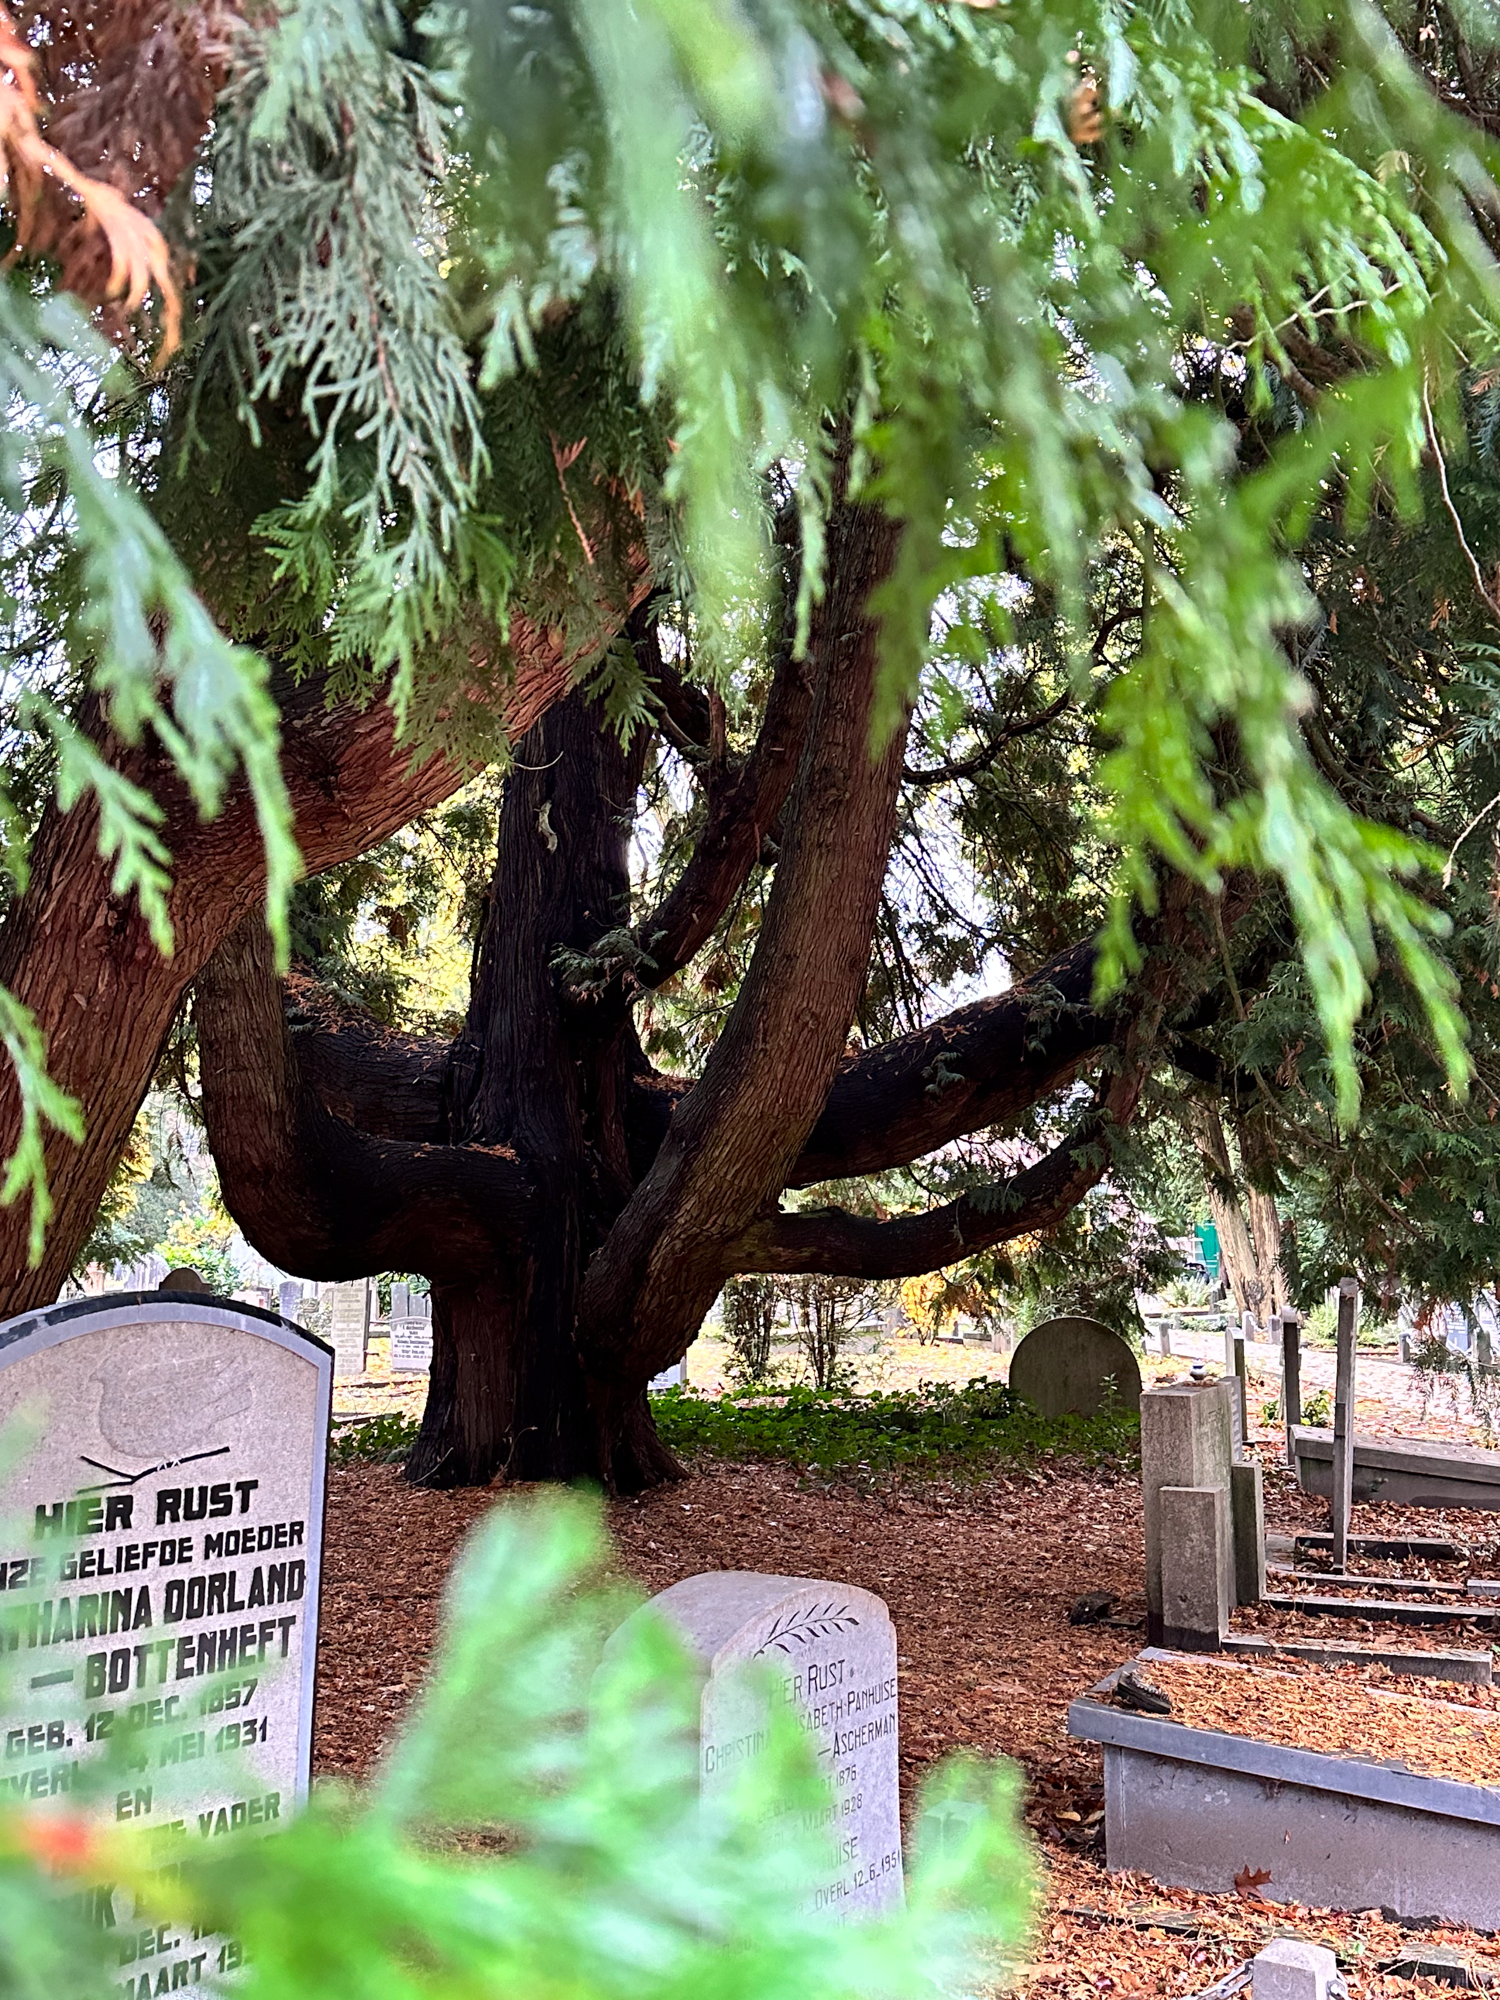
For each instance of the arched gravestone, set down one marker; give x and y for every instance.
(1069, 1364)
(160, 1537)
(832, 1650)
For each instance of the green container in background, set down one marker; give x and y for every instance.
(1208, 1245)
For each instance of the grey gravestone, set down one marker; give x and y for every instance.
(349, 1327)
(1075, 1364)
(411, 1337)
(834, 1649)
(162, 1526)
(289, 1300)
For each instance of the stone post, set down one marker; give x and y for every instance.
(1185, 1443)
(1343, 1420)
(1291, 1376)
(1248, 1513)
(1195, 1579)
(1288, 1969)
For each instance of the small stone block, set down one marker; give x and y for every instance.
(1426, 1961)
(1197, 1581)
(1185, 1441)
(1288, 1969)
(1248, 1512)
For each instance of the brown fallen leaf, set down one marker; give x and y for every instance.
(1249, 1880)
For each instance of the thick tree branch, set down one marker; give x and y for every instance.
(1179, 960)
(981, 1065)
(382, 1082)
(734, 1139)
(743, 805)
(83, 961)
(310, 1192)
(833, 1241)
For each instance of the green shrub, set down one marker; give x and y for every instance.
(935, 1428)
(536, 1831)
(1317, 1409)
(378, 1441)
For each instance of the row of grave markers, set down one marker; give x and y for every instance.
(160, 1568)
(349, 1319)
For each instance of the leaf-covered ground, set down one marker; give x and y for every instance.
(979, 1579)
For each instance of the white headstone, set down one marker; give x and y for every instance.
(159, 1558)
(411, 1346)
(674, 1377)
(833, 1649)
(349, 1327)
(289, 1300)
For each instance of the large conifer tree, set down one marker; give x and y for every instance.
(818, 324)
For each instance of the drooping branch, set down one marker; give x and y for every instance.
(311, 1192)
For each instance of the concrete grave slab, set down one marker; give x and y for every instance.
(1195, 1807)
(1405, 1472)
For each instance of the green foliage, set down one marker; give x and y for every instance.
(201, 1239)
(141, 639)
(151, 1187)
(935, 1429)
(539, 296)
(1317, 1409)
(328, 159)
(383, 1440)
(538, 1829)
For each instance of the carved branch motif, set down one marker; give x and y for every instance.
(801, 1628)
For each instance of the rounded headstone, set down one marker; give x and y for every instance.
(183, 1279)
(832, 1649)
(1077, 1365)
(161, 1529)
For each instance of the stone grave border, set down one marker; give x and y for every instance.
(1337, 1821)
(50, 1326)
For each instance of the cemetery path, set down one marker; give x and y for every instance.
(979, 1581)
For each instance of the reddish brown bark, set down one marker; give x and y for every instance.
(734, 1138)
(82, 959)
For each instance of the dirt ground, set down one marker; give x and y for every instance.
(979, 1581)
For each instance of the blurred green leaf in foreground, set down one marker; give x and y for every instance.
(537, 1830)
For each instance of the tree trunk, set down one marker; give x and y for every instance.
(542, 1069)
(1250, 1252)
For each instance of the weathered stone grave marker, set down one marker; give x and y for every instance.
(1205, 1520)
(1075, 1364)
(161, 1537)
(411, 1331)
(349, 1327)
(832, 1649)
